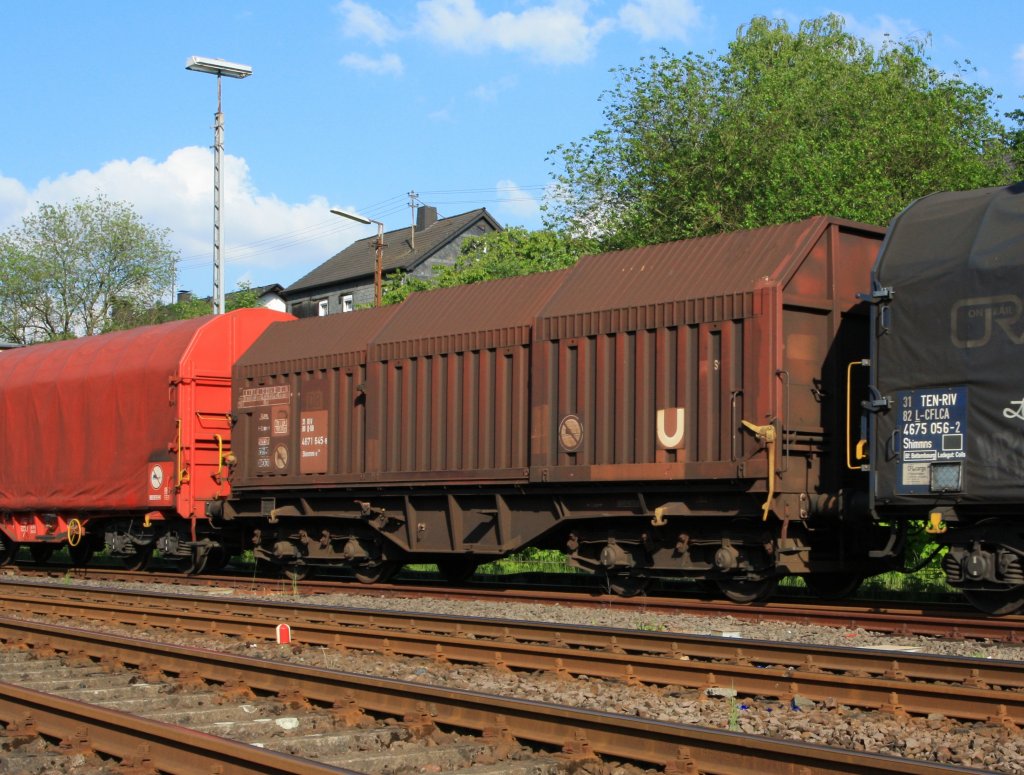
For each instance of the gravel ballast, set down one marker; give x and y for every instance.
(988, 746)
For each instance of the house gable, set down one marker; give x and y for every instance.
(345, 281)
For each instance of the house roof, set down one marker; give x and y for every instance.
(357, 260)
(261, 290)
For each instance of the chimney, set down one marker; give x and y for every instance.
(184, 296)
(426, 216)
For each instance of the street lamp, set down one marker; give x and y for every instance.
(217, 67)
(378, 267)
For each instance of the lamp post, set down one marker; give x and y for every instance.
(378, 267)
(217, 67)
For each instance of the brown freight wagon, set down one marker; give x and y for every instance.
(704, 382)
(435, 390)
(676, 409)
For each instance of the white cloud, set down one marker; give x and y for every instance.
(388, 64)
(660, 19)
(441, 115)
(488, 92)
(13, 202)
(265, 239)
(884, 29)
(557, 33)
(517, 206)
(362, 21)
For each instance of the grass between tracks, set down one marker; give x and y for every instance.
(926, 584)
(546, 565)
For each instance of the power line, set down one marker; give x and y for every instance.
(320, 229)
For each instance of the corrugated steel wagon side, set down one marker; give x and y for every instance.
(302, 400)
(453, 371)
(707, 379)
(106, 432)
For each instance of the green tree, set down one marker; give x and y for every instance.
(1016, 136)
(785, 125)
(242, 297)
(79, 269)
(509, 253)
(183, 309)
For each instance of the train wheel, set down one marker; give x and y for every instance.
(457, 569)
(41, 552)
(998, 603)
(747, 591)
(201, 559)
(628, 584)
(81, 552)
(217, 560)
(8, 550)
(193, 563)
(297, 571)
(139, 560)
(833, 586)
(378, 573)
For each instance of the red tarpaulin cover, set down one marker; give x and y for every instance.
(79, 420)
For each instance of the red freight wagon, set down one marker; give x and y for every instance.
(134, 425)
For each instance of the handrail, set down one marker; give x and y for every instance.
(859, 453)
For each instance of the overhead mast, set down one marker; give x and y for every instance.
(413, 196)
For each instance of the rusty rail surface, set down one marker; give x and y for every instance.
(676, 747)
(907, 682)
(943, 621)
(141, 745)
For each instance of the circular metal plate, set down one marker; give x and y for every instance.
(570, 433)
(281, 456)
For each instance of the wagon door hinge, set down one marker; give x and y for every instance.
(878, 295)
(877, 402)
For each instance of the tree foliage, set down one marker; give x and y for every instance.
(509, 253)
(785, 125)
(80, 269)
(243, 297)
(1016, 140)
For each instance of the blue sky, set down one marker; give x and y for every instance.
(355, 104)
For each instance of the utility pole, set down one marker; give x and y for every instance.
(412, 227)
(378, 264)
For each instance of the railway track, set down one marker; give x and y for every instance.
(952, 621)
(920, 684)
(555, 735)
(100, 733)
